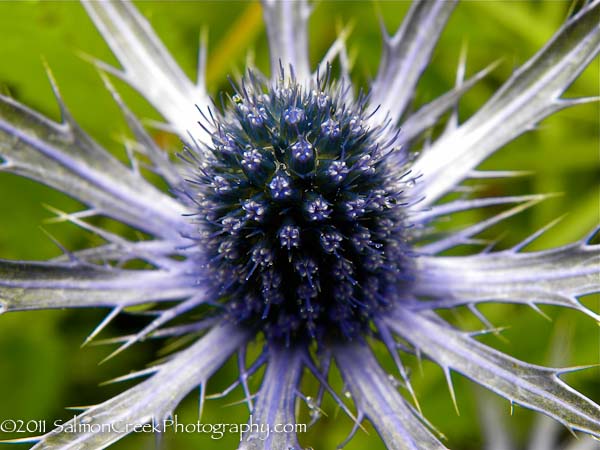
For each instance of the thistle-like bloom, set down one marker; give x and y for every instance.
(299, 216)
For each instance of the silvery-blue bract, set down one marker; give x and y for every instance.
(300, 213)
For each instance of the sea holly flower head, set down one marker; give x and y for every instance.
(301, 216)
(280, 181)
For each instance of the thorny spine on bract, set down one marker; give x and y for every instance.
(300, 218)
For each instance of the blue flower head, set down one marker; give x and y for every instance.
(295, 186)
(300, 216)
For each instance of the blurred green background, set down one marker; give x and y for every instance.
(43, 369)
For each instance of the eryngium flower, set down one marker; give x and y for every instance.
(300, 216)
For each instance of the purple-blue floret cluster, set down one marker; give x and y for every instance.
(302, 223)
